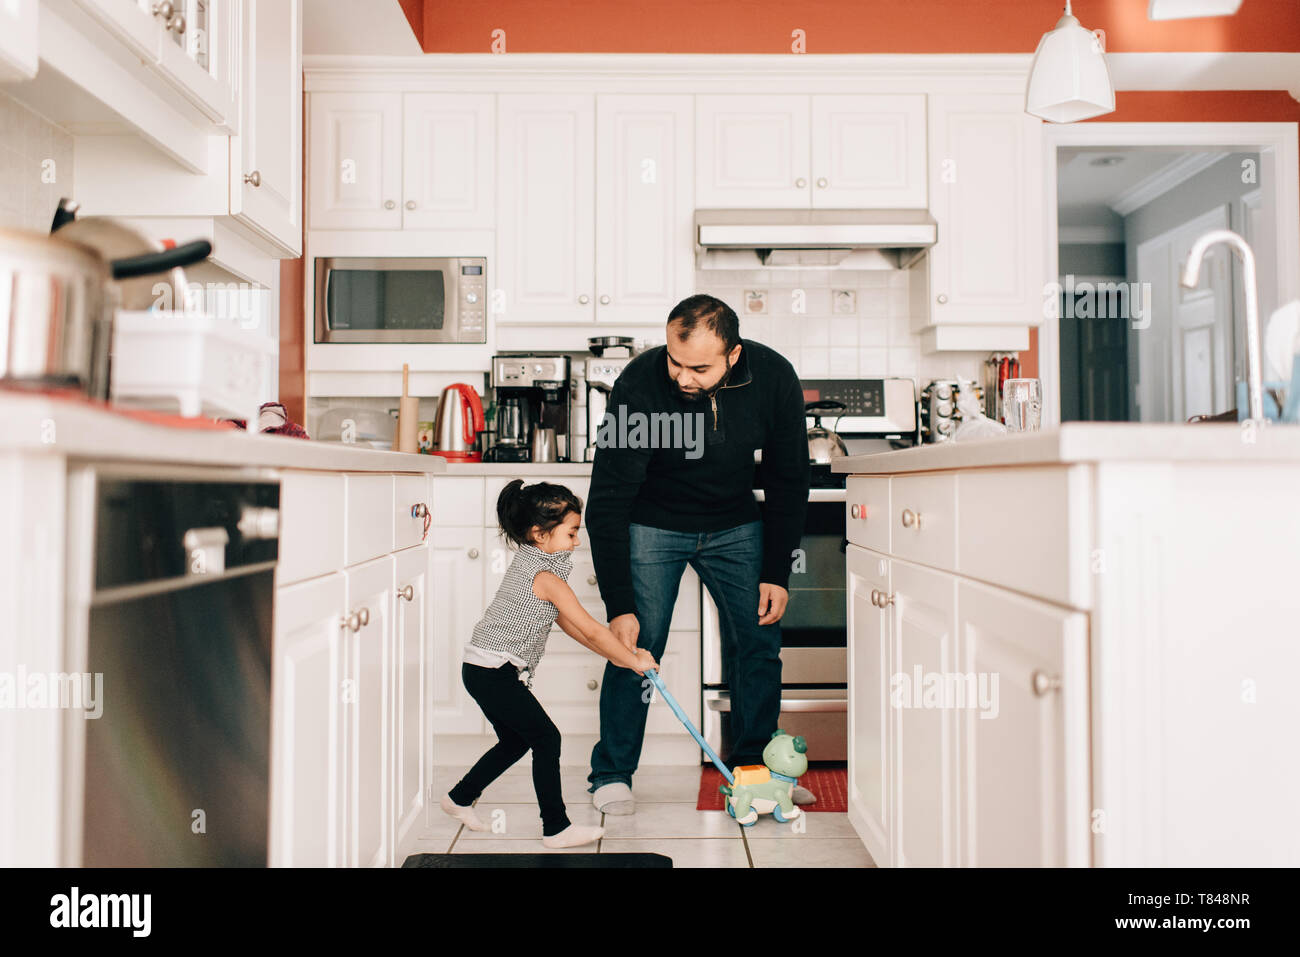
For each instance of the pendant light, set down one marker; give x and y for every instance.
(1068, 79)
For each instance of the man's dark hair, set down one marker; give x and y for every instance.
(710, 313)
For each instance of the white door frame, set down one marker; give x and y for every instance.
(1279, 159)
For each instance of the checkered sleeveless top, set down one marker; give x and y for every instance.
(517, 622)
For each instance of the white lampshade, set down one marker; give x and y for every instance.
(1069, 80)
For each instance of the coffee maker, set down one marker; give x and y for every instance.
(534, 393)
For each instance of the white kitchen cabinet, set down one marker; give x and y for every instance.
(923, 647)
(18, 40)
(411, 649)
(644, 206)
(985, 185)
(820, 151)
(457, 561)
(448, 173)
(752, 151)
(1024, 781)
(356, 161)
(308, 730)
(870, 716)
(266, 156)
(546, 222)
(868, 151)
(368, 655)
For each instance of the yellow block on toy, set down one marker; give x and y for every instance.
(748, 774)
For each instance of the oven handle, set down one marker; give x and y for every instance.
(804, 705)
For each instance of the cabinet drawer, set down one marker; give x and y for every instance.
(579, 485)
(408, 490)
(923, 519)
(1027, 529)
(458, 502)
(369, 524)
(866, 511)
(311, 525)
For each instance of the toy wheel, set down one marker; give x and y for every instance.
(730, 810)
(749, 823)
(777, 815)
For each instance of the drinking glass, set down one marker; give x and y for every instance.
(1022, 404)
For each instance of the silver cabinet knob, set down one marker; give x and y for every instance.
(177, 25)
(800, 183)
(822, 183)
(352, 622)
(604, 300)
(253, 179)
(584, 299)
(389, 204)
(885, 600)
(164, 10)
(591, 685)
(875, 597)
(473, 553)
(410, 204)
(941, 298)
(364, 616)
(591, 579)
(1044, 684)
(911, 518)
(408, 593)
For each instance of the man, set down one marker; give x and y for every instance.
(653, 510)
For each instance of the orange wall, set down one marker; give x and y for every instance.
(832, 26)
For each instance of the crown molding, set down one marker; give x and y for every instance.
(1162, 181)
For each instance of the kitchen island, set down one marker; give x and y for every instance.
(1074, 647)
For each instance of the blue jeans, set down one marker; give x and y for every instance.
(728, 563)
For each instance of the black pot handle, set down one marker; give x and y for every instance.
(150, 263)
(825, 404)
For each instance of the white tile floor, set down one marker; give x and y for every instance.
(665, 822)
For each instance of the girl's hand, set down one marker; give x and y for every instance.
(644, 660)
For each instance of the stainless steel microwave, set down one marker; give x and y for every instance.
(401, 299)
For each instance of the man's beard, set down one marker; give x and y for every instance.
(701, 395)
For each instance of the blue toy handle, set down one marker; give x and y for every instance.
(681, 716)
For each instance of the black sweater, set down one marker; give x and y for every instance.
(707, 487)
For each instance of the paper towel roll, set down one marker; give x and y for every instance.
(408, 423)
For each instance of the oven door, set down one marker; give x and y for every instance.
(400, 300)
(819, 714)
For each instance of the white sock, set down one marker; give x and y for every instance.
(465, 815)
(574, 835)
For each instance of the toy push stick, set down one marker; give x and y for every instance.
(681, 716)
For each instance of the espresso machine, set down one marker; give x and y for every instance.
(534, 400)
(601, 373)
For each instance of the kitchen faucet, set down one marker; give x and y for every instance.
(1191, 274)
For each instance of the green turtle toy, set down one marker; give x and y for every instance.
(768, 787)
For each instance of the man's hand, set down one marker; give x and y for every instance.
(627, 629)
(772, 600)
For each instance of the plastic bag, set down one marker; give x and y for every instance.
(974, 423)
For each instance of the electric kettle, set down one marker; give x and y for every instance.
(460, 419)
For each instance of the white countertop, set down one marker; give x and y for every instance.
(1077, 442)
(45, 425)
(518, 469)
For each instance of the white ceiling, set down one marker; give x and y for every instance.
(357, 27)
(1079, 183)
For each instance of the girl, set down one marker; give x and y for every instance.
(508, 642)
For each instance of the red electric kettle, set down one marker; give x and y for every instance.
(459, 420)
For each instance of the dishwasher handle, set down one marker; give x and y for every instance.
(801, 705)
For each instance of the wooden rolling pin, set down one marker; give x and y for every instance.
(408, 415)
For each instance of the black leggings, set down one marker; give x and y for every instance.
(521, 725)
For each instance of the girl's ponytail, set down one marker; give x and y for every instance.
(510, 508)
(541, 505)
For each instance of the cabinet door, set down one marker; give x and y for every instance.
(308, 733)
(870, 718)
(644, 204)
(18, 40)
(923, 620)
(410, 663)
(985, 196)
(448, 161)
(752, 151)
(356, 157)
(200, 54)
(135, 23)
(369, 663)
(545, 234)
(266, 157)
(1024, 781)
(868, 152)
(457, 565)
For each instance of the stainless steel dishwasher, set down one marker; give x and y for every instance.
(174, 610)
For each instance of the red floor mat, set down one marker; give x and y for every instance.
(829, 783)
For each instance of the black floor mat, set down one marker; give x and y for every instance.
(538, 860)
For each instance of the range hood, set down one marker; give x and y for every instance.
(814, 237)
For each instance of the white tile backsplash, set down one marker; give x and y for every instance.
(35, 167)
